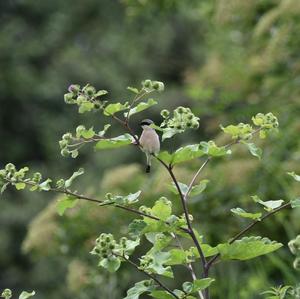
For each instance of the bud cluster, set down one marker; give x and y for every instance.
(6, 294)
(105, 246)
(294, 246)
(149, 85)
(241, 131)
(145, 262)
(182, 119)
(267, 122)
(87, 97)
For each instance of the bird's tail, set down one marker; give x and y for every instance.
(148, 162)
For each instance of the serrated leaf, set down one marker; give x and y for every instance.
(247, 248)
(253, 149)
(187, 153)
(111, 109)
(112, 264)
(177, 257)
(25, 295)
(115, 142)
(76, 174)
(66, 203)
(242, 213)
(141, 107)
(20, 186)
(206, 248)
(157, 266)
(136, 227)
(295, 203)
(295, 176)
(139, 289)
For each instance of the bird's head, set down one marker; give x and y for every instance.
(146, 123)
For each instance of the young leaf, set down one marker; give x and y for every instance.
(211, 149)
(165, 156)
(25, 295)
(111, 109)
(270, 204)
(139, 289)
(141, 107)
(253, 149)
(177, 257)
(247, 248)
(295, 176)
(124, 200)
(183, 188)
(45, 186)
(85, 106)
(66, 203)
(169, 132)
(133, 89)
(157, 266)
(114, 142)
(88, 133)
(20, 186)
(76, 174)
(201, 284)
(112, 263)
(162, 208)
(240, 212)
(187, 153)
(295, 203)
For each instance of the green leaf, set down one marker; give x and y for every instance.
(295, 203)
(177, 257)
(169, 132)
(162, 208)
(159, 240)
(201, 284)
(112, 264)
(130, 246)
(20, 186)
(187, 153)
(102, 133)
(242, 131)
(139, 289)
(253, 149)
(247, 248)
(114, 142)
(242, 213)
(88, 133)
(270, 204)
(211, 149)
(133, 89)
(206, 248)
(122, 200)
(111, 109)
(86, 106)
(100, 93)
(157, 266)
(66, 203)
(165, 156)
(161, 295)
(45, 186)
(295, 176)
(141, 107)
(136, 228)
(183, 188)
(76, 174)
(197, 189)
(25, 295)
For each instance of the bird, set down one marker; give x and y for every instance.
(149, 141)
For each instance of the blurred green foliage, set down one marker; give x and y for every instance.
(229, 59)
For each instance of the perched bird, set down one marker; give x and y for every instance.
(149, 141)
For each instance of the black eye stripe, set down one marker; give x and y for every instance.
(145, 124)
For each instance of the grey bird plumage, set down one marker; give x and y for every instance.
(149, 141)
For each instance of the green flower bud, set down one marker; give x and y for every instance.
(90, 91)
(195, 125)
(189, 124)
(63, 144)
(97, 106)
(165, 113)
(111, 246)
(64, 152)
(79, 130)
(181, 110)
(179, 127)
(105, 256)
(190, 116)
(147, 83)
(159, 86)
(296, 263)
(97, 250)
(102, 243)
(146, 283)
(67, 136)
(37, 177)
(68, 98)
(6, 294)
(10, 167)
(74, 88)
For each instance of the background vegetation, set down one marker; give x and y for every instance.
(228, 59)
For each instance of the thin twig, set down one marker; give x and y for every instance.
(244, 231)
(149, 275)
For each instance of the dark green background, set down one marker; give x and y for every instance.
(227, 59)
